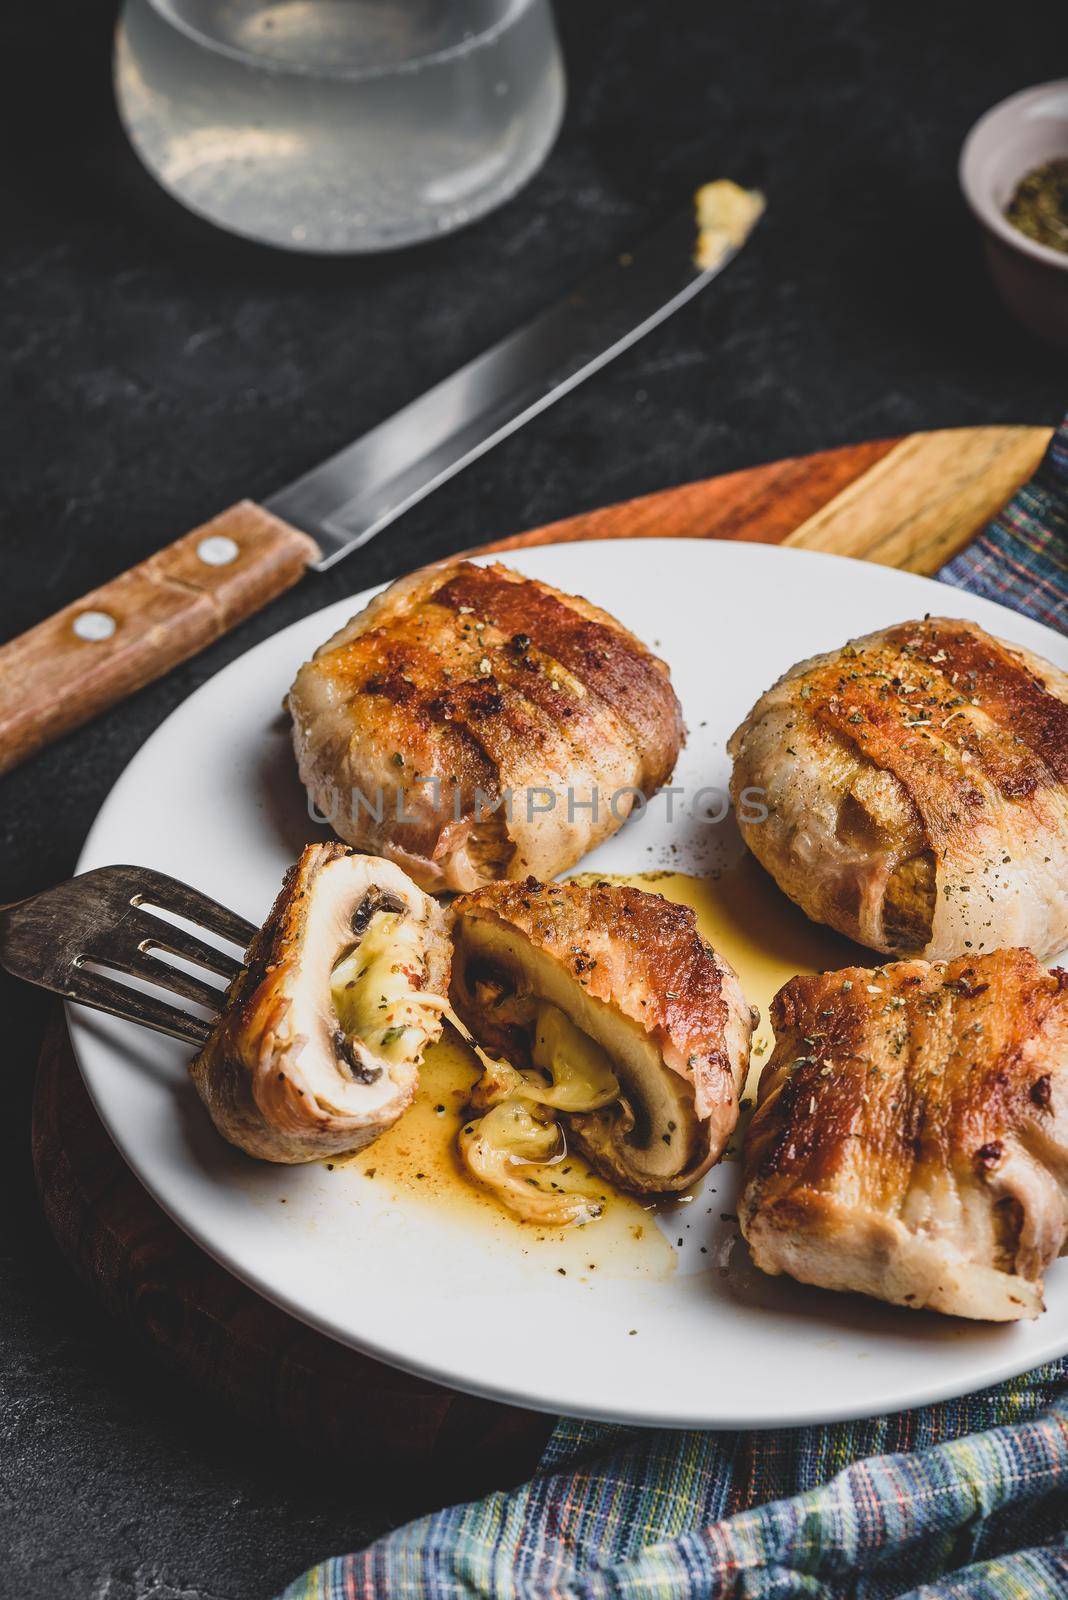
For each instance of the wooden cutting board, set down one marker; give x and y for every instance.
(909, 503)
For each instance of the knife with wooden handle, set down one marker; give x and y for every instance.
(113, 641)
(122, 636)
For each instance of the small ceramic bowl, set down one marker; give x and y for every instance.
(1006, 144)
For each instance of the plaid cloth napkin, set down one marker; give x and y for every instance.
(919, 1504)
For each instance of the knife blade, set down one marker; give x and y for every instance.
(133, 629)
(346, 500)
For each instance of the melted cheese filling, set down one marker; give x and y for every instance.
(517, 1147)
(375, 990)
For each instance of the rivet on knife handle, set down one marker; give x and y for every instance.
(122, 636)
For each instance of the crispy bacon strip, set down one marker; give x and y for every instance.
(461, 686)
(918, 786)
(911, 1134)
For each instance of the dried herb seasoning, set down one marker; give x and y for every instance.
(1039, 207)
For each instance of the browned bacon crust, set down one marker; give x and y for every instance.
(462, 683)
(917, 782)
(639, 957)
(911, 1134)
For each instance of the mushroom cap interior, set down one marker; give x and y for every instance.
(304, 1061)
(648, 1141)
(383, 1066)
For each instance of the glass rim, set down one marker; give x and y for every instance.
(259, 63)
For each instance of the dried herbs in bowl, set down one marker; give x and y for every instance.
(1039, 206)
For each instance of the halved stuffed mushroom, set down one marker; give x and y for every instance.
(318, 1048)
(624, 1034)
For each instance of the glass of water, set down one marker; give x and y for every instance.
(339, 125)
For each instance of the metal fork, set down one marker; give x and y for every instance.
(58, 938)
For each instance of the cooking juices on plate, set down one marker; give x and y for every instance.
(916, 785)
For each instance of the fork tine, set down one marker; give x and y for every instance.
(151, 970)
(102, 993)
(154, 933)
(157, 888)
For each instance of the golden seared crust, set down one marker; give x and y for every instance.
(270, 1075)
(462, 684)
(641, 955)
(918, 790)
(609, 662)
(1017, 743)
(911, 1134)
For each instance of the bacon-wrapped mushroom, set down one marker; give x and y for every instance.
(318, 1048)
(472, 724)
(620, 1026)
(911, 1135)
(916, 790)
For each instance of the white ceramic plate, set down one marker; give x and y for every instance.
(213, 798)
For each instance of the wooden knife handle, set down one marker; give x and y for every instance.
(102, 648)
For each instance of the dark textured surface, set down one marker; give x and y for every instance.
(161, 370)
